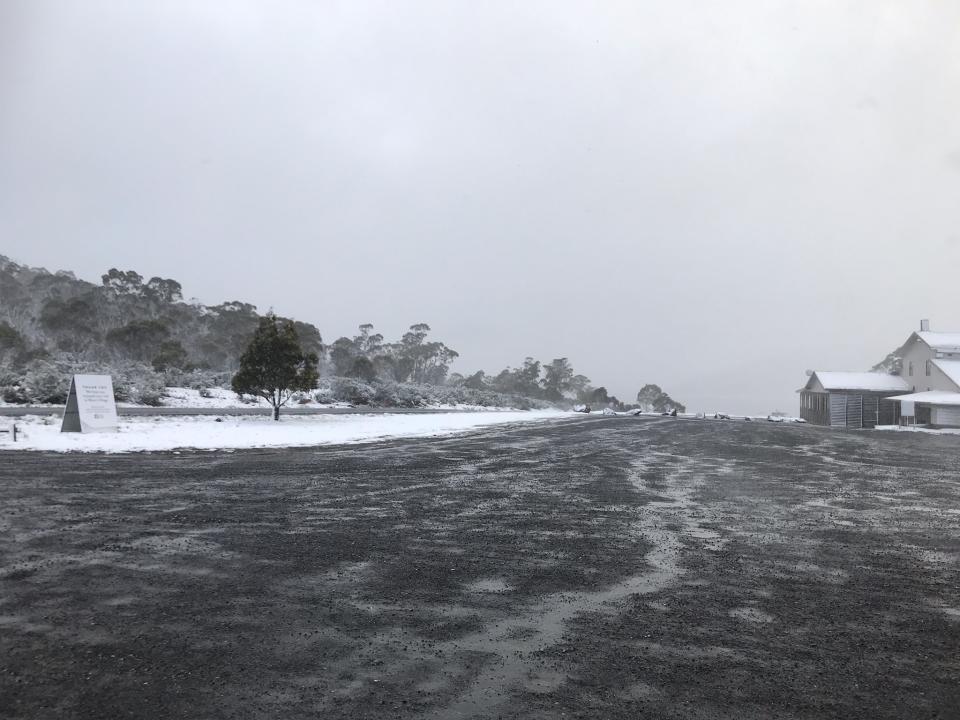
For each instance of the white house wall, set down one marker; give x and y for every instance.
(918, 352)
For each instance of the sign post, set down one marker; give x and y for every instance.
(90, 405)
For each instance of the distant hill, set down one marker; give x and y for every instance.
(147, 337)
(124, 319)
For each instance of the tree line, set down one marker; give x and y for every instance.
(50, 322)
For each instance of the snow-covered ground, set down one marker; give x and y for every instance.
(223, 398)
(230, 432)
(914, 428)
(181, 397)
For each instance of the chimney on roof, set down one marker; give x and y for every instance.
(924, 326)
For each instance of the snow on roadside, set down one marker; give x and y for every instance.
(914, 428)
(159, 433)
(218, 398)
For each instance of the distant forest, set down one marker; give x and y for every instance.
(144, 333)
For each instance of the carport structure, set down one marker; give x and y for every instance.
(938, 408)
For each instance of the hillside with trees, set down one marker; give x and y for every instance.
(145, 334)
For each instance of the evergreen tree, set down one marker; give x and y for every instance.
(274, 365)
(558, 379)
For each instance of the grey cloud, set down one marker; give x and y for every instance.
(699, 196)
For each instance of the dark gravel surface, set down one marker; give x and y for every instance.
(594, 568)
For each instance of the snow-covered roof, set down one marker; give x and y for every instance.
(940, 340)
(930, 397)
(874, 381)
(950, 368)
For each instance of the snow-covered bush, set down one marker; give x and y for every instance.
(381, 393)
(14, 394)
(11, 389)
(196, 379)
(137, 383)
(46, 382)
(352, 391)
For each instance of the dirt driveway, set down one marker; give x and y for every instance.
(594, 567)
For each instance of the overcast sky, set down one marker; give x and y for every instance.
(710, 196)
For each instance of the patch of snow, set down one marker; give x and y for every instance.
(216, 397)
(930, 397)
(875, 381)
(157, 433)
(914, 428)
(941, 341)
(219, 398)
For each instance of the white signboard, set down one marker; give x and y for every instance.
(90, 405)
(906, 408)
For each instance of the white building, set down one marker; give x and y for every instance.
(927, 389)
(931, 367)
(851, 399)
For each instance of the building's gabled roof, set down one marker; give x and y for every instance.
(950, 368)
(930, 397)
(869, 381)
(937, 341)
(941, 340)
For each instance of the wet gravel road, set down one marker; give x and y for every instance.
(592, 567)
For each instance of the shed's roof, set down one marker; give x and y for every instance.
(950, 368)
(940, 340)
(930, 397)
(874, 381)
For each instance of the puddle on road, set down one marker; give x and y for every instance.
(488, 585)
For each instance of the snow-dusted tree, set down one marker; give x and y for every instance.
(163, 290)
(170, 356)
(12, 344)
(140, 339)
(652, 398)
(579, 383)
(274, 365)
(599, 396)
(557, 379)
(368, 343)
(123, 283)
(362, 369)
(523, 381)
(342, 356)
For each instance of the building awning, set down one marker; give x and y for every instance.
(930, 397)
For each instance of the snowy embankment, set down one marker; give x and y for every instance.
(218, 398)
(230, 433)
